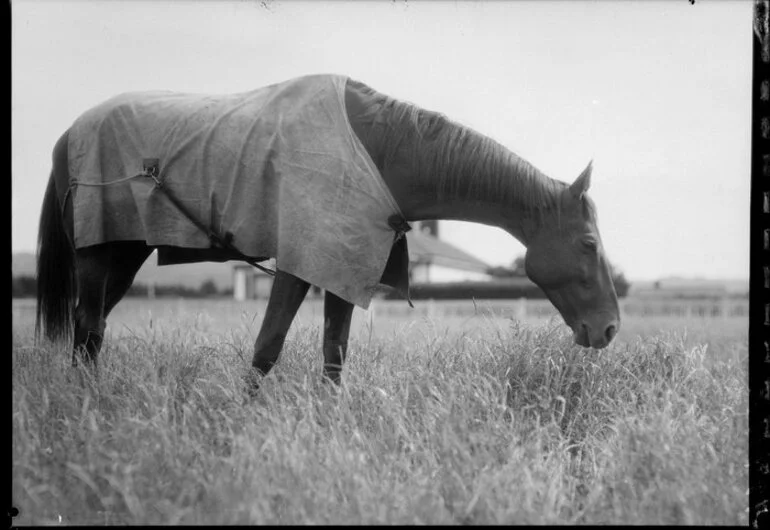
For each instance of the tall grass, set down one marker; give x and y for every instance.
(509, 425)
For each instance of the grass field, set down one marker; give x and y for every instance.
(473, 420)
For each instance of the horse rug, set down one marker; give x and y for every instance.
(277, 169)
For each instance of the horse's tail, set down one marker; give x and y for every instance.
(55, 270)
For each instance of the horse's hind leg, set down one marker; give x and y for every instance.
(286, 296)
(127, 259)
(92, 270)
(337, 317)
(104, 274)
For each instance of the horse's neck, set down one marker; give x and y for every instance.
(408, 162)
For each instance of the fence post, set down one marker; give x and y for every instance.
(521, 308)
(239, 284)
(372, 311)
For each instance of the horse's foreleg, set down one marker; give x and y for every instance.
(337, 317)
(286, 296)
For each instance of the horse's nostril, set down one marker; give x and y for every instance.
(610, 332)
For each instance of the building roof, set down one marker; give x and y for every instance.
(424, 248)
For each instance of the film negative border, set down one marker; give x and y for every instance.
(759, 280)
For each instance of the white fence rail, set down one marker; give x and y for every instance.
(521, 308)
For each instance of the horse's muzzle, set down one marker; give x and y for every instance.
(587, 337)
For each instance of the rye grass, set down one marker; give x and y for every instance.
(510, 425)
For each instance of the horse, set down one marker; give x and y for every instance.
(434, 168)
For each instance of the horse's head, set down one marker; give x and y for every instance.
(566, 259)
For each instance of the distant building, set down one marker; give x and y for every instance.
(250, 282)
(433, 260)
(430, 260)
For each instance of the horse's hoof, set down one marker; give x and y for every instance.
(252, 384)
(333, 377)
(252, 391)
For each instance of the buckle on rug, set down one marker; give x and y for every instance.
(399, 224)
(151, 168)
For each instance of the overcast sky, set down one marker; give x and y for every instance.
(657, 93)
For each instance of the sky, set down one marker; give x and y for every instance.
(657, 93)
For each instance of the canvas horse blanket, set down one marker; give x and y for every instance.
(278, 168)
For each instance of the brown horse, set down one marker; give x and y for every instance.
(434, 169)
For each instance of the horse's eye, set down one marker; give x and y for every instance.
(590, 244)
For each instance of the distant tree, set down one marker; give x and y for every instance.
(518, 267)
(178, 291)
(515, 270)
(622, 285)
(137, 289)
(208, 288)
(499, 272)
(23, 287)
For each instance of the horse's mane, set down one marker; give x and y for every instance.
(465, 162)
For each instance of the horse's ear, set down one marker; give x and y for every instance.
(583, 182)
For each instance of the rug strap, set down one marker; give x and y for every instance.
(400, 225)
(152, 170)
